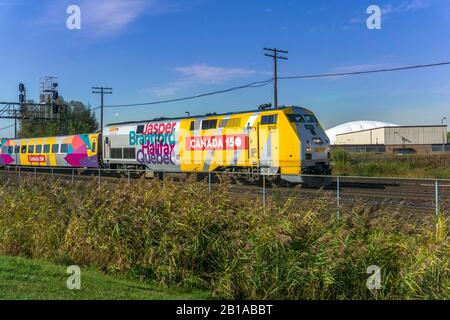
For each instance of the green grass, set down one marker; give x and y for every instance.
(384, 165)
(25, 279)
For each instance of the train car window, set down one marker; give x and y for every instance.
(46, 148)
(16, 149)
(4, 149)
(10, 149)
(140, 129)
(269, 119)
(23, 149)
(297, 118)
(195, 125)
(129, 153)
(230, 123)
(55, 148)
(39, 149)
(64, 148)
(310, 118)
(116, 153)
(31, 149)
(209, 124)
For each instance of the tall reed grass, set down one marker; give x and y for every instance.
(179, 234)
(384, 165)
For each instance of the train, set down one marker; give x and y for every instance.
(286, 142)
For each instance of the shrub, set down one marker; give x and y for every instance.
(179, 234)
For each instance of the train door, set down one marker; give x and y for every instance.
(253, 145)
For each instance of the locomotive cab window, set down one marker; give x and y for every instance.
(297, 118)
(64, 148)
(55, 148)
(209, 124)
(272, 119)
(310, 118)
(46, 148)
(94, 145)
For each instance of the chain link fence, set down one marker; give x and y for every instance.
(429, 196)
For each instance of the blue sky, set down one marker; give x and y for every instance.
(160, 49)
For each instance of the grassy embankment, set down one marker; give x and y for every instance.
(374, 165)
(180, 235)
(22, 278)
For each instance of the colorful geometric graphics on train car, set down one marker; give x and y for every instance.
(79, 151)
(5, 158)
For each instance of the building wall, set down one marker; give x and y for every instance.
(373, 136)
(415, 135)
(395, 136)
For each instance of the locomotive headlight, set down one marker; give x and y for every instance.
(318, 141)
(308, 149)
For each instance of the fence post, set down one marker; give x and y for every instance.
(338, 196)
(19, 176)
(73, 174)
(209, 182)
(436, 191)
(264, 191)
(99, 179)
(128, 176)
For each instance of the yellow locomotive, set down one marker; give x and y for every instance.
(288, 141)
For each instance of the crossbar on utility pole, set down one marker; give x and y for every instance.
(275, 71)
(102, 91)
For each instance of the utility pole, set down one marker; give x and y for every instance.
(275, 71)
(443, 134)
(102, 91)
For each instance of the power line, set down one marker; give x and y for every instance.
(327, 75)
(4, 128)
(258, 84)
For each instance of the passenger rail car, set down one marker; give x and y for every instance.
(77, 151)
(288, 141)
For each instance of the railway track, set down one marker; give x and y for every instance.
(406, 193)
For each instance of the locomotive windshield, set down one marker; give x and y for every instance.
(310, 118)
(298, 118)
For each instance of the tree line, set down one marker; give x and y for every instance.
(72, 117)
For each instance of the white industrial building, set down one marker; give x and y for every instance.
(380, 137)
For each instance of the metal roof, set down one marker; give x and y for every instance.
(202, 116)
